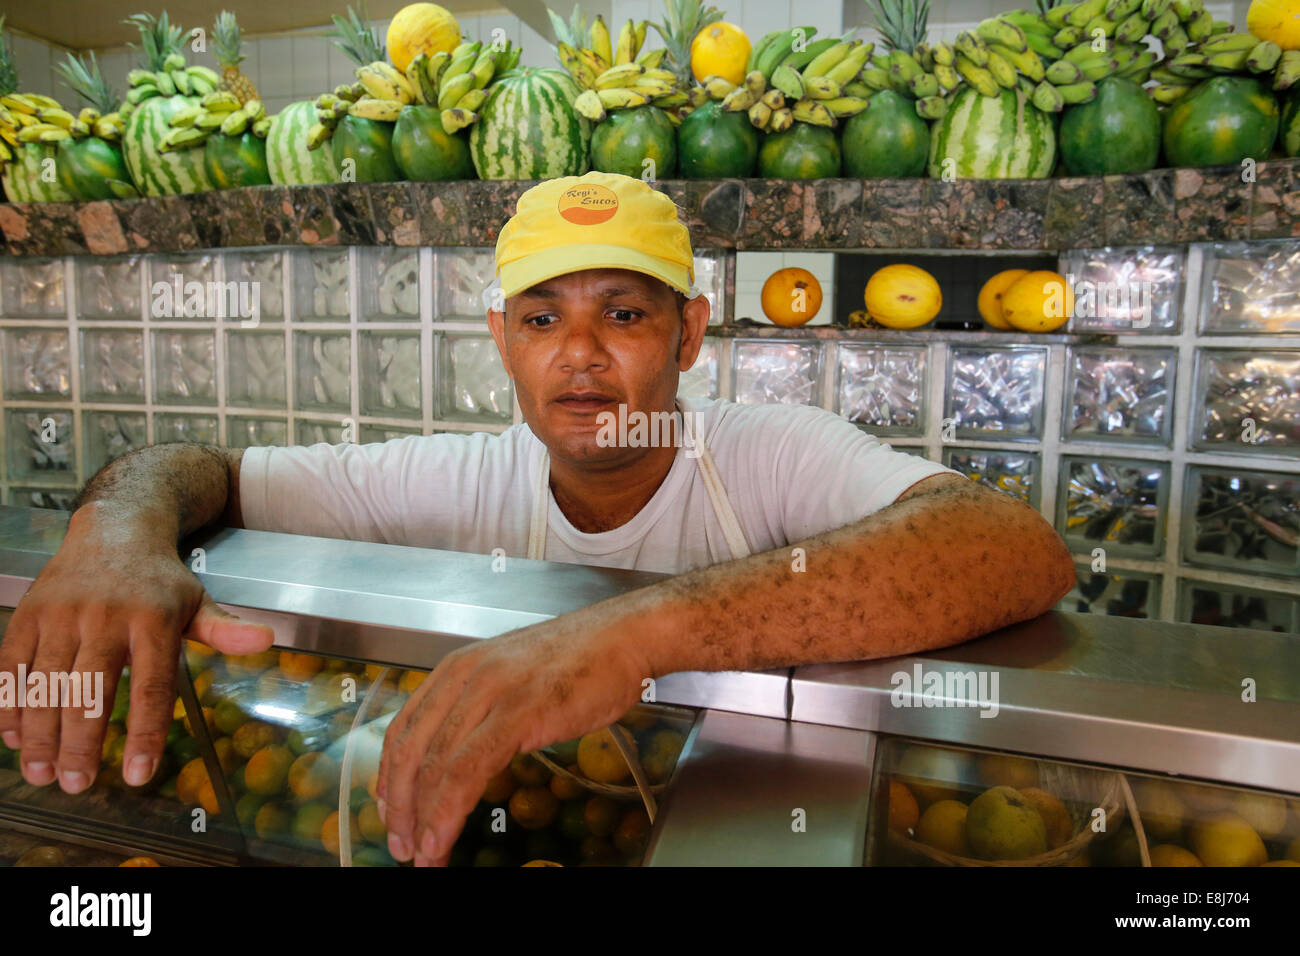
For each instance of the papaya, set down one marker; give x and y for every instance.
(635, 142)
(1223, 121)
(84, 166)
(887, 140)
(1118, 132)
(803, 151)
(232, 161)
(363, 151)
(425, 152)
(715, 144)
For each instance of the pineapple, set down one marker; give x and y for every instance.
(684, 19)
(226, 44)
(89, 84)
(8, 72)
(355, 38)
(903, 23)
(159, 39)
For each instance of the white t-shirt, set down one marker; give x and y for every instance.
(790, 471)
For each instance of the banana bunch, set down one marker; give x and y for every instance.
(587, 64)
(816, 83)
(1073, 78)
(218, 112)
(174, 78)
(619, 76)
(33, 118)
(927, 74)
(1224, 53)
(1177, 23)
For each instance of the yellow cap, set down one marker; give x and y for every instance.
(596, 221)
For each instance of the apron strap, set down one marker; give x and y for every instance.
(722, 509)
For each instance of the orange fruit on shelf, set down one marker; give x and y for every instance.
(139, 861)
(902, 297)
(1039, 301)
(639, 718)
(1056, 818)
(188, 782)
(720, 49)
(248, 665)
(251, 737)
(373, 671)
(661, 753)
(600, 759)
(534, 807)
(1166, 854)
(372, 828)
(411, 680)
(270, 821)
(1004, 770)
(529, 771)
(329, 833)
(542, 863)
(209, 718)
(566, 789)
(903, 810)
(633, 832)
(791, 297)
(601, 815)
(1223, 838)
(266, 771)
(309, 823)
(297, 666)
(226, 756)
(313, 775)
(990, 297)
(420, 28)
(500, 786)
(943, 826)
(208, 798)
(1280, 863)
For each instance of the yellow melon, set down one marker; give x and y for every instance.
(1276, 20)
(421, 28)
(720, 49)
(902, 297)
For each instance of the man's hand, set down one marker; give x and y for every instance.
(107, 598)
(486, 703)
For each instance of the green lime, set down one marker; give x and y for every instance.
(372, 856)
(229, 717)
(246, 808)
(271, 821)
(358, 798)
(573, 819)
(308, 822)
(175, 732)
(236, 778)
(565, 753)
(301, 743)
(185, 749)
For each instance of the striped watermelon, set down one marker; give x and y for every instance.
(993, 137)
(1289, 135)
(288, 159)
(156, 173)
(22, 176)
(528, 128)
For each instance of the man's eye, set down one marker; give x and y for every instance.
(624, 315)
(541, 321)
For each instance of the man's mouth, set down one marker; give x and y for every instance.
(580, 401)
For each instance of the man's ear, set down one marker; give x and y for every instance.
(497, 326)
(695, 321)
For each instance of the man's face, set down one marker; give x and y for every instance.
(584, 343)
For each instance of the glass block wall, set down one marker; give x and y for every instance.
(1162, 445)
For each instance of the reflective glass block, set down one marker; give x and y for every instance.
(390, 283)
(710, 280)
(462, 274)
(996, 392)
(254, 432)
(31, 287)
(184, 368)
(882, 387)
(197, 428)
(1242, 520)
(112, 366)
(701, 379)
(321, 287)
(40, 443)
(264, 271)
(111, 435)
(184, 286)
(1126, 289)
(108, 287)
(36, 363)
(1119, 394)
(1251, 288)
(1247, 401)
(1118, 505)
(324, 370)
(256, 373)
(472, 382)
(1119, 593)
(1014, 472)
(51, 498)
(776, 372)
(382, 433)
(312, 432)
(390, 374)
(1221, 605)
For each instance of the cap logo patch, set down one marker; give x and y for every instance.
(588, 205)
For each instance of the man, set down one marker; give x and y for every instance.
(796, 538)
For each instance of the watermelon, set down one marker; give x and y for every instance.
(1118, 132)
(993, 137)
(803, 151)
(528, 128)
(86, 165)
(154, 172)
(424, 151)
(363, 151)
(233, 161)
(25, 178)
(713, 143)
(288, 160)
(1220, 123)
(887, 140)
(626, 139)
(1289, 135)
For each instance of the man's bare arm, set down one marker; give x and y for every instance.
(948, 561)
(116, 592)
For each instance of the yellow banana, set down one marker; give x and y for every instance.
(844, 106)
(624, 74)
(600, 39)
(578, 68)
(483, 70)
(813, 112)
(625, 52)
(821, 88)
(382, 87)
(59, 117)
(456, 119)
(450, 92)
(472, 100)
(384, 111)
(588, 104)
(622, 99)
(652, 58)
(395, 76)
(640, 28)
(717, 86)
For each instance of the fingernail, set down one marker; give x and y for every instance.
(38, 773)
(73, 781)
(429, 846)
(139, 770)
(12, 740)
(398, 847)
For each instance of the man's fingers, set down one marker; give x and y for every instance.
(154, 652)
(56, 649)
(81, 739)
(446, 799)
(225, 632)
(16, 648)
